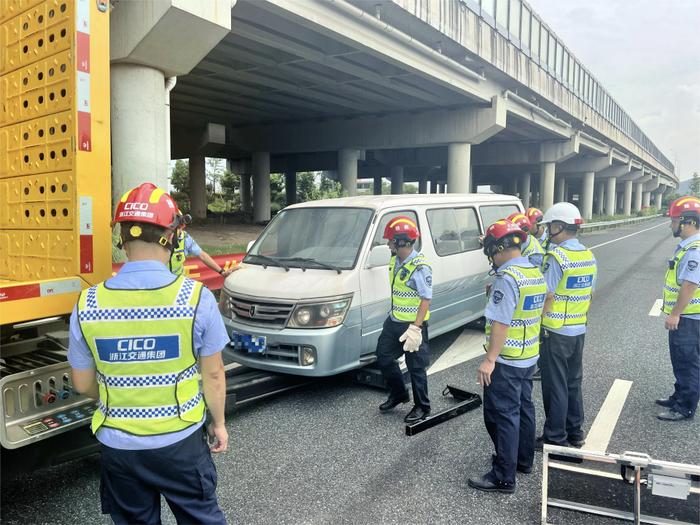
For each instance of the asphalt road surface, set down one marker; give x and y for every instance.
(324, 454)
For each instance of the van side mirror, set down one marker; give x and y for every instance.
(250, 245)
(379, 256)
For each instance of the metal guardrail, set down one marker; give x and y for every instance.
(592, 226)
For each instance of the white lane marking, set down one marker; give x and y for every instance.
(604, 424)
(231, 366)
(626, 236)
(467, 346)
(656, 309)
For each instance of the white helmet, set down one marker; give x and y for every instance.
(563, 212)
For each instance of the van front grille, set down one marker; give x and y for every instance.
(261, 313)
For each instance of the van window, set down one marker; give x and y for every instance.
(379, 234)
(454, 230)
(313, 237)
(491, 214)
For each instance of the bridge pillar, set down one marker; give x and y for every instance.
(261, 186)
(587, 195)
(627, 199)
(513, 186)
(659, 200)
(347, 170)
(547, 174)
(600, 198)
(290, 186)
(646, 199)
(245, 193)
(458, 168)
(639, 188)
(396, 180)
(377, 190)
(560, 189)
(611, 196)
(423, 184)
(525, 192)
(198, 188)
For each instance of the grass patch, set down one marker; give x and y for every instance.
(223, 249)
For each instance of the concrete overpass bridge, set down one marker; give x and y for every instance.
(447, 93)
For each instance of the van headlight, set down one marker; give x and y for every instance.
(225, 305)
(320, 315)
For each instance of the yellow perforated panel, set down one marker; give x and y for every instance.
(54, 189)
(41, 31)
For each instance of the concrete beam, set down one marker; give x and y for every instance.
(633, 176)
(420, 129)
(559, 151)
(613, 171)
(410, 156)
(585, 164)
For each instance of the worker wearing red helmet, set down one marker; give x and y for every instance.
(139, 344)
(405, 330)
(682, 304)
(532, 249)
(538, 229)
(513, 315)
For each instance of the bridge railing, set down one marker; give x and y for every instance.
(516, 20)
(592, 226)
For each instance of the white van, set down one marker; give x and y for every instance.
(313, 290)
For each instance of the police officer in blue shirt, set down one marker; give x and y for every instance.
(406, 327)
(138, 344)
(513, 316)
(186, 246)
(682, 304)
(570, 273)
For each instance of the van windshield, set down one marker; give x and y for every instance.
(328, 238)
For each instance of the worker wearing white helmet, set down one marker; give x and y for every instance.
(570, 272)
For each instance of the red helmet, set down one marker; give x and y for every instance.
(535, 215)
(520, 220)
(687, 206)
(501, 235)
(150, 204)
(401, 228)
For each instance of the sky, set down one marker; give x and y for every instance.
(646, 53)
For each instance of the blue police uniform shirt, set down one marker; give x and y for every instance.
(688, 266)
(534, 258)
(503, 301)
(209, 338)
(421, 280)
(553, 274)
(191, 246)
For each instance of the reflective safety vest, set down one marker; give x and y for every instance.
(404, 299)
(533, 248)
(672, 286)
(177, 259)
(572, 298)
(141, 341)
(523, 336)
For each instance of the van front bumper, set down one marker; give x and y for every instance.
(336, 349)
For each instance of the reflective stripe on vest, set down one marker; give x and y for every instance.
(533, 248)
(147, 372)
(523, 336)
(572, 298)
(672, 287)
(177, 259)
(404, 299)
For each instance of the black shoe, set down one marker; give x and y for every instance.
(576, 443)
(483, 483)
(417, 414)
(393, 402)
(537, 376)
(665, 402)
(671, 415)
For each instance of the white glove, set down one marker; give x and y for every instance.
(411, 338)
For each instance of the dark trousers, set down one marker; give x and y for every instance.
(132, 482)
(509, 415)
(561, 360)
(389, 349)
(684, 345)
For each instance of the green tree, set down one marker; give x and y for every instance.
(214, 171)
(695, 184)
(180, 181)
(230, 184)
(306, 187)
